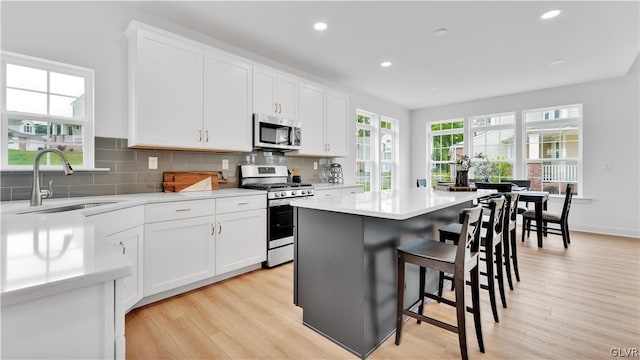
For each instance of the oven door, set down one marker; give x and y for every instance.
(280, 220)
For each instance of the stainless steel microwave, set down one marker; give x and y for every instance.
(273, 133)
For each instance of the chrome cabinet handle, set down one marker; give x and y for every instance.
(328, 147)
(199, 135)
(275, 108)
(206, 139)
(184, 209)
(213, 229)
(243, 203)
(122, 248)
(219, 228)
(280, 111)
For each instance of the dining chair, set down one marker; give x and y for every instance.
(526, 184)
(491, 246)
(561, 219)
(509, 244)
(457, 259)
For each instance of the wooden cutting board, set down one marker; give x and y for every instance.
(176, 181)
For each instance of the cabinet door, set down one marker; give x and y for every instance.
(167, 103)
(130, 242)
(337, 124)
(326, 193)
(241, 240)
(287, 97)
(178, 253)
(227, 103)
(312, 119)
(264, 91)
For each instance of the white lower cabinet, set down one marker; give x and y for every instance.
(124, 229)
(240, 240)
(85, 323)
(178, 253)
(130, 242)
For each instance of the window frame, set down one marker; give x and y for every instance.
(575, 121)
(88, 126)
(373, 184)
(499, 127)
(452, 131)
(377, 149)
(394, 151)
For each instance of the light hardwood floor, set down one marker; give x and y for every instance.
(578, 303)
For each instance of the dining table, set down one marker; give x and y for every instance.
(539, 199)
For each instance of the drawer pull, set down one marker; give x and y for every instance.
(184, 209)
(243, 203)
(123, 248)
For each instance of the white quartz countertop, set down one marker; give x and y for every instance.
(46, 254)
(328, 186)
(392, 204)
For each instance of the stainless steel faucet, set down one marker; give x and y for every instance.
(38, 194)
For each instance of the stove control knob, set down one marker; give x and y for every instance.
(293, 193)
(304, 192)
(283, 194)
(276, 195)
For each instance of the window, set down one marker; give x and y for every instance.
(446, 143)
(387, 153)
(45, 105)
(493, 137)
(552, 147)
(375, 151)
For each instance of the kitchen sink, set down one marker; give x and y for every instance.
(65, 208)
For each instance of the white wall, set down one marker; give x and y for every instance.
(610, 134)
(91, 34)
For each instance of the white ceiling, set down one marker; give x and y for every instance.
(491, 48)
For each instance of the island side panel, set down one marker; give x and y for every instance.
(329, 274)
(381, 238)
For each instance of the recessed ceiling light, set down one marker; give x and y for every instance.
(557, 62)
(435, 88)
(550, 14)
(320, 26)
(441, 31)
(386, 63)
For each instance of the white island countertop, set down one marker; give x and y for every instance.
(391, 204)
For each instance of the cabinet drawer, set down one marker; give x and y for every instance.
(241, 203)
(178, 210)
(112, 222)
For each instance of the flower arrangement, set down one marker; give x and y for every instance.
(463, 162)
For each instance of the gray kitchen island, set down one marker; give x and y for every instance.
(345, 258)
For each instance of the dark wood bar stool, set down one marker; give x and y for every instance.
(510, 249)
(562, 219)
(456, 259)
(491, 245)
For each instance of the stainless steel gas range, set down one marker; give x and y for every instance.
(274, 179)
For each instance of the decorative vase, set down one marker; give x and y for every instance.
(462, 177)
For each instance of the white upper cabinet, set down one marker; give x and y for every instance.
(275, 93)
(185, 95)
(227, 103)
(323, 114)
(337, 124)
(312, 106)
(165, 94)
